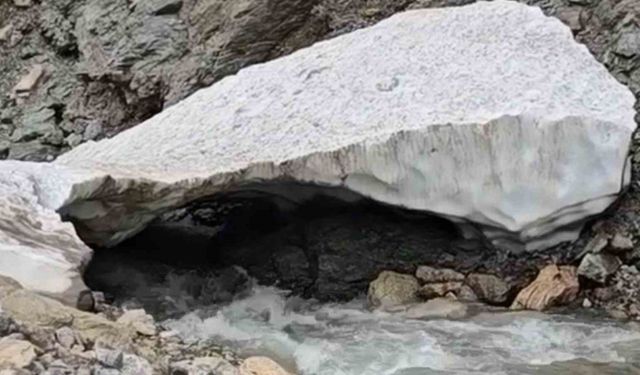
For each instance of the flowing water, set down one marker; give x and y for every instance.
(346, 339)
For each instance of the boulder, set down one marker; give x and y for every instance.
(434, 290)
(554, 286)
(428, 274)
(65, 337)
(16, 353)
(620, 243)
(598, 267)
(261, 366)
(36, 313)
(518, 130)
(489, 288)
(140, 321)
(392, 289)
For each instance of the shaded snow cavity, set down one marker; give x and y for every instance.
(346, 339)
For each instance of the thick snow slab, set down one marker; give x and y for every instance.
(489, 113)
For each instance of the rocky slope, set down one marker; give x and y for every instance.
(79, 70)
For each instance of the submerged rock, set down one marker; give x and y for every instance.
(437, 308)
(392, 289)
(342, 113)
(554, 286)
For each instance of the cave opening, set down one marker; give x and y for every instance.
(315, 242)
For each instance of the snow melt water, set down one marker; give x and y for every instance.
(346, 339)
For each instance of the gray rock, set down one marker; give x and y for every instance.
(628, 43)
(620, 243)
(139, 320)
(73, 139)
(97, 370)
(596, 244)
(434, 290)
(5, 32)
(39, 123)
(7, 325)
(134, 365)
(66, 337)
(466, 294)
(392, 289)
(110, 358)
(31, 151)
(203, 366)
(489, 288)
(428, 274)
(22, 3)
(93, 130)
(16, 353)
(28, 82)
(157, 7)
(598, 267)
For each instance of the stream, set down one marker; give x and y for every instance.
(346, 339)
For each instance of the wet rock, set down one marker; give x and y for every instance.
(261, 366)
(437, 308)
(434, 290)
(598, 267)
(428, 274)
(16, 353)
(66, 337)
(489, 288)
(203, 366)
(587, 304)
(466, 294)
(554, 286)
(139, 320)
(392, 289)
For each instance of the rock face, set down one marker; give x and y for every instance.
(554, 286)
(520, 116)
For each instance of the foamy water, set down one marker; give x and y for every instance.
(345, 339)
